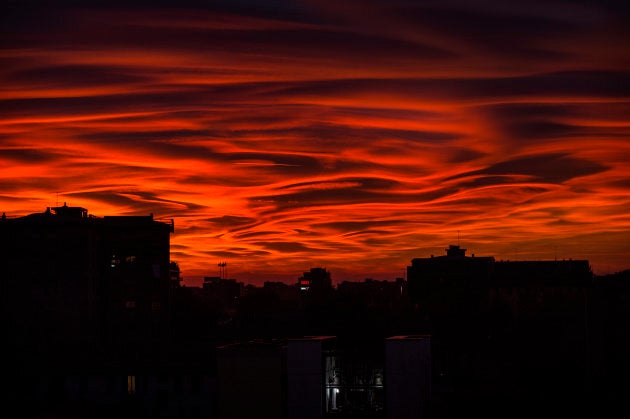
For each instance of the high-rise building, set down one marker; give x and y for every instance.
(77, 288)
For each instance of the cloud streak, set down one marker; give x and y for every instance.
(353, 136)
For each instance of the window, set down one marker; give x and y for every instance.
(130, 304)
(131, 385)
(115, 261)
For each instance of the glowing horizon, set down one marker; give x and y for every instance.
(354, 137)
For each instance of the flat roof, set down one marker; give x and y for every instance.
(409, 337)
(314, 338)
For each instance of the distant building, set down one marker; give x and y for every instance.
(524, 323)
(283, 291)
(228, 289)
(315, 285)
(225, 294)
(454, 273)
(371, 293)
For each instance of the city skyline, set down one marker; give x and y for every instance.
(352, 136)
(68, 220)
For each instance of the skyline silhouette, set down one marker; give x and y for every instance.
(99, 325)
(355, 136)
(295, 209)
(65, 213)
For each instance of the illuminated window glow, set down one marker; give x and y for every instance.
(131, 385)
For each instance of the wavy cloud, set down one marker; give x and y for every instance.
(353, 135)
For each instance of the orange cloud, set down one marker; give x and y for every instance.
(318, 135)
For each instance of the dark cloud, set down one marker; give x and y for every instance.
(155, 143)
(463, 155)
(112, 169)
(237, 253)
(155, 197)
(263, 127)
(484, 181)
(141, 202)
(156, 140)
(492, 31)
(564, 223)
(358, 226)
(363, 183)
(77, 75)
(327, 131)
(220, 179)
(539, 122)
(230, 221)
(568, 84)
(285, 247)
(264, 233)
(367, 233)
(547, 168)
(518, 111)
(348, 191)
(305, 42)
(9, 197)
(278, 161)
(387, 113)
(505, 114)
(614, 84)
(134, 31)
(28, 155)
(542, 129)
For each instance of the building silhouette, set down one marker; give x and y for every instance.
(99, 324)
(316, 281)
(84, 293)
(509, 329)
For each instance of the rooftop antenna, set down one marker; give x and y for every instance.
(222, 270)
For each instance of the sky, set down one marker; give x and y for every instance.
(350, 135)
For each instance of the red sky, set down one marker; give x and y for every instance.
(352, 135)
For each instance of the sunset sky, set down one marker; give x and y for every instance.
(351, 135)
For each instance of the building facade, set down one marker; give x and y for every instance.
(84, 294)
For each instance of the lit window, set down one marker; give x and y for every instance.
(131, 385)
(130, 304)
(130, 259)
(115, 261)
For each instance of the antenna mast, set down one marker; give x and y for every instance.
(222, 270)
